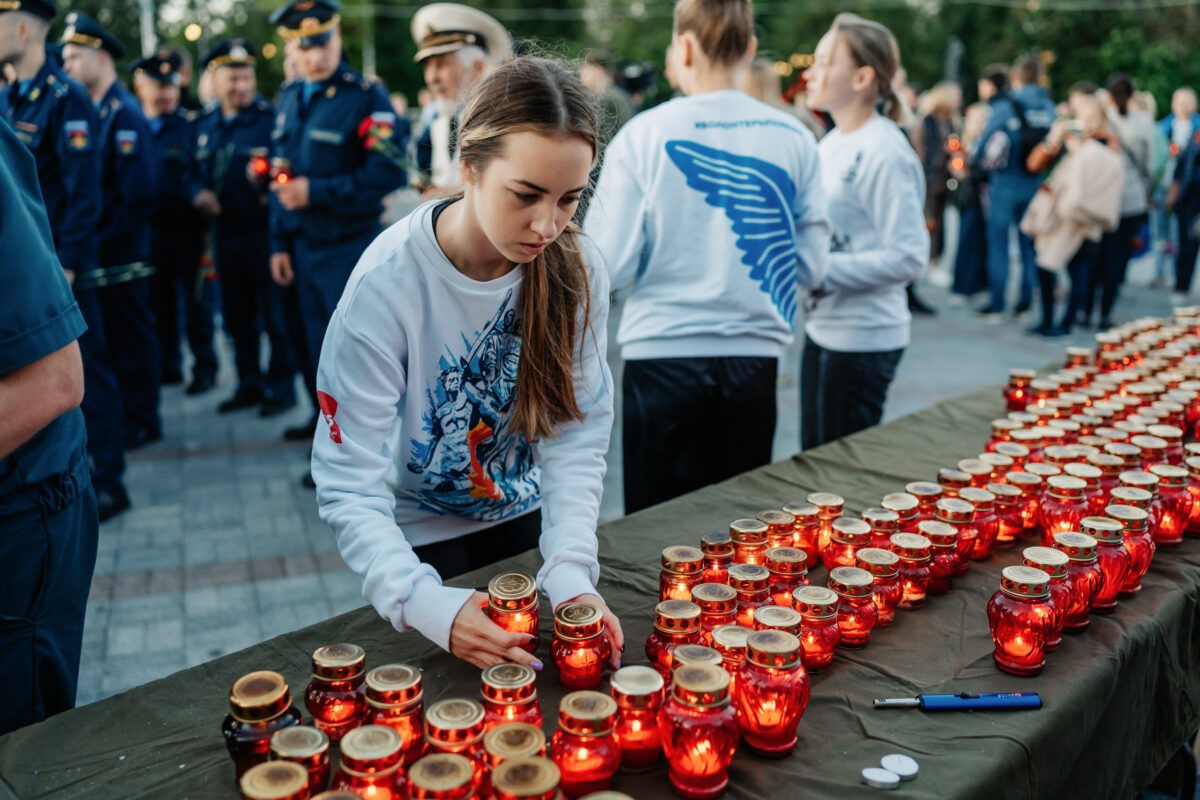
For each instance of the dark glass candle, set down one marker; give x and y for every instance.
(259, 705)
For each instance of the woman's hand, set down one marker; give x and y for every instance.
(477, 640)
(612, 625)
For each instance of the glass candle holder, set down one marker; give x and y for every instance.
(1130, 455)
(441, 776)
(984, 520)
(639, 694)
(281, 170)
(513, 605)
(455, 725)
(259, 705)
(772, 692)
(275, 780)
(749, 540)
(1029, 505)
(718, 606)
(308, 747)
(1078, 357)
(1112, 557)
(1000, 465)
(952, 481)
(752, 584)
(1021, 618)
(819, 632)
(980, 471)
(781, 528)
(1017, 393)
(907, 511)
(676, 622)
(1002, 429)
(1053, 563)
(883, 524)
(583, 747)
(1141, 480)
(694, 654)
(787, 571)
(1173, 436)
(700, 731)
(1192, 529)
(1092, 476)
(927, 494)
(829, 507)
(1085, 576)
(526, 779)
(395, 698)
(1008, 513)
(1059, 455)
(856, 604)
(510, 695)
(1136, 498)
(1019, 454)
(1173, 504)
(1071, 429)
(960, 515)
(512, 740)
(260, 165)
(1154, 449)
(1138, 542)
(682, 568)
(913, 550)
(718, 557)
(943, 554)
(847, 536)
(1063, 507)
(370, 765)
(806, 531)
(730, 642)
(777, 618)
(884, 566)
(580, 649)
(335, 696)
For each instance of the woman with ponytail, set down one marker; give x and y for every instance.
(858, 322)
(466, 399)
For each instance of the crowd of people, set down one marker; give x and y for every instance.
(455, 362)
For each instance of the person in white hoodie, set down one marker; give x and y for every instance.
(710, 207)
(858, 323)
(465, 396)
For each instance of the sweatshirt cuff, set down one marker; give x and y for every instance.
(565, 581)
(431, 610)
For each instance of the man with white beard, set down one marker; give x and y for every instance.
(456, 46)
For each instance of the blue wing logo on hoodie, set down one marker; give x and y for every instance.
(757, 198)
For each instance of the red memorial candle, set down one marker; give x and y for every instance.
(682, 568)
(807, 531)
(749, 540)
(441, 776)
(580, 649)
(259, 705)
(907, 510)
(1008, 513)
(275, 780)
(984, 520)
(772, 692)
(583, 747)
(787, 571)
(1085, 576)
(884, 523)
(777, 618)
(506, 742)
(395, 698)
(1173, 504)
(527, 779)
(884, 566)
(829, 507)
(718, 606)
(927, 494)
(1192, 529)
(960, 515)
(856, 604)
(1029, 505)
(676, 622)
(513, 605)
(700, 731)
(1063, 506)
(913, 551)
(847, 536)
(335, 695)
(781, 528)
(371, 764)
(1022, 619)
(943, 554)
(718, 556)
(455, 725)
(1138, 542)
(510, 695)
(1053, 563)
(639, 693)
(1017, 393)
(752, 584)
(730, 642)
(308, 747)
(980, 471)
(819, 632)
(1113, 558)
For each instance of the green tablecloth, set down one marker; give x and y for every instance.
(1119, 698)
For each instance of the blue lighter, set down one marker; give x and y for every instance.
(965, 701)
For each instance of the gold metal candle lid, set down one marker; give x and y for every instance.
(441, 772)
(749, 577)
(804, 513)
(578, 621)
(371, 747)
(939, 534)
(454, 714)
(1027, 582)
(953, 509)
(815, 602)
(336, 794)
(1103, 529)
(827, 503)
(1077, 546)
(701, 686)
(982, 499)
(1088, 473)
(695, 654)
(1017, 452)
(883, 519)
(716, 544)
(338, 662)
(776, 618)
(1168, 433)
(786, 560)
(1193, 465)
(587, 712)
(923, 489)
(506, 677)
(1018, 375)
(774, 649)
(880, 563)
(1147, 442)
(1134, 520)
(1006, 494)
(1059, 454)
(849, 530)
(526, 777)
(1065, 487)
(903, 504)
(259, 696)
(299, 741)
(1004, 424)
(512, 591)
(1169, 474)
(1027, 481)
(637, 687)
(1138, 479)
(274, 780)
(682, 559)
(677, 616)
(851, 582)
(776, 519)
(1049, 560)
(1131, 496)
(953, 477)
(911, 546)
(393, 684)
(730, 638)
(1043, 470)
(1107, 463)
(748, 531)
(514, 740)
(974, 467)
(999, 462)
(714, 598)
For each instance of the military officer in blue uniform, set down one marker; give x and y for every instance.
(48, 525)
(55, 119)
(177, 238)
(335, 129)
(228, 139)
(130, 192)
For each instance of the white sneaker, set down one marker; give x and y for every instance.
(994, 318)
(939, 277)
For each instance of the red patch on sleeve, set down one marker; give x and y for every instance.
(329, 411)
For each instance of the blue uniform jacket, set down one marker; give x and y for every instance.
(57, 123)
(174, 143)
(327, 142)
(128, 179)
(222, 150)
(1039, 113)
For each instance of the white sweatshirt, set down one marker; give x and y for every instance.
(876, 191)
(711, 206)
(416, 383)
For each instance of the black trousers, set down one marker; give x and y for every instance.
(456, 556)
(176, 280)
(1189, 246)
(1116, 247)
(690, 422)
(133, 344)
(842, 392)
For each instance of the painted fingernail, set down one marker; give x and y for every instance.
(618, 663)
(537, 665)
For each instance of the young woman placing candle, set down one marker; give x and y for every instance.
(465, 398)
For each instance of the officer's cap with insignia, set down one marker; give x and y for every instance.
(46, 9)
(84, 30)
(232, 51)
(163, 66)
(308, 23)
(446, 27)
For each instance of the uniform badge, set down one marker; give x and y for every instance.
(126, 142)
(35, 94)
(330, 92)
(77, 134)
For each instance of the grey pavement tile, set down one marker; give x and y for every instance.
(164, 636)
(125, 639)
(146, 608)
